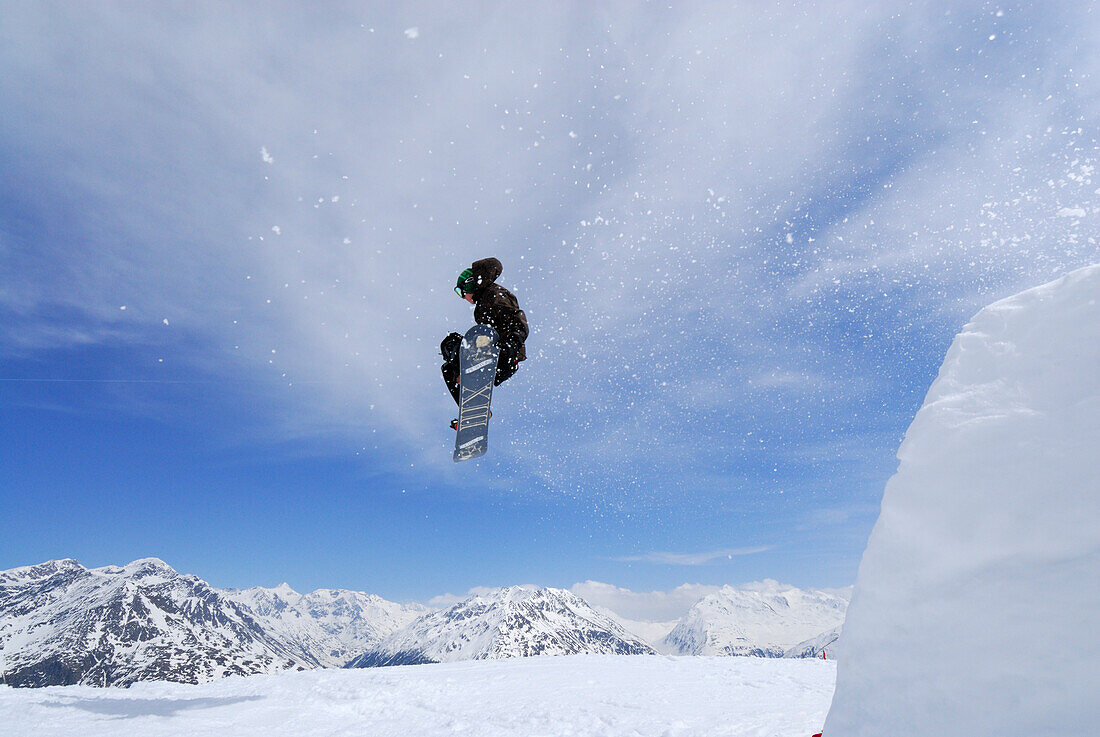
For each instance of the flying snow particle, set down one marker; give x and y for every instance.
(413, 32)
(123, 307)
(266, 156)
(276, 230)
(165, 321)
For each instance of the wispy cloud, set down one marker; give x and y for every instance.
(662, 606)
(748, 200)
(692, 559)
(832, 517)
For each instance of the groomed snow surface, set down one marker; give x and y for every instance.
(585, 695)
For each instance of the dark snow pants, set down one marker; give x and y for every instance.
(506, 367)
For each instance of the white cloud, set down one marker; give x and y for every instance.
(692, 559)
(643, 606)
(831, 517)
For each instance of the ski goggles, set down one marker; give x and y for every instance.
(465, 279)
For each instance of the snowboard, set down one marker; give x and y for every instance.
(477, 365)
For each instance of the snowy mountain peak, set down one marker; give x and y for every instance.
(764, 619)
(41, 570)
(348, 596)
(516, 621)
(145, 567)
(510, 593)
(151, 562)
(331, 626)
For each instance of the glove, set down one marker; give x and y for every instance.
(449, 347)
(509, 349)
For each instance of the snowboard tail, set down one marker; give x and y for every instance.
(477, 361)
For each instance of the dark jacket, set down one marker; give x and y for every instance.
(497, 307)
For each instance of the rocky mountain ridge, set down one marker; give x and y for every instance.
(516, 621)
(61, 623)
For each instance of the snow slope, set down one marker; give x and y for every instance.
(594, 696)
(516, 621)
(763, 619)
(824, 644)
(974, 610)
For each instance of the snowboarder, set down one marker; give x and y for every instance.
(496, 307)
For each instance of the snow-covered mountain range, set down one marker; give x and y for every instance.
(764, 619)
(62, 623)
(517, 621)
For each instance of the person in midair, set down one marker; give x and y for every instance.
(494, 306)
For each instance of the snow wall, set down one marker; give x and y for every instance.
(976, 607)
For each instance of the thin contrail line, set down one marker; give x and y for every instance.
(173, 381)
(105, 381)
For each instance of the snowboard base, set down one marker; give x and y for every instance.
(477, 361)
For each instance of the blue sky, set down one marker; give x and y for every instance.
(744, 236)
